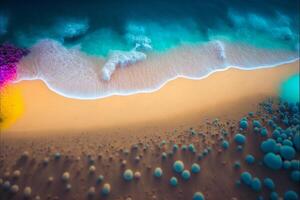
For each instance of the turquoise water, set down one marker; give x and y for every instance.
(102, 26)
(104, 47)
(289, 89)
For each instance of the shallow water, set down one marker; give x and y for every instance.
(70, 43)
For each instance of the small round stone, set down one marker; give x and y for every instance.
(268, 183)
(65, 176)
(256, 184)
(164, 155)
(250, 159)
(273, 161)
(106, 189)
(173, 181)
(91, 191)
(27, 192)
(237, 165)
(68, 187)
(295, 176)
(225, 144)
(198, 196)
(57, 156)
(274, 196)
(14, 189)
(37, 198)
(6, 185)
(137, 175)
(186, 175)
(243, 124)
(290, 195)
(16, 174)
(178, 166)
(158, 172)
(246, 178)
(92, 169)
(287, 152)
(268, 145)
(128, 175)
(100, 178)
(195, 168)
(264, 132)
(50, 179)
(239, 138)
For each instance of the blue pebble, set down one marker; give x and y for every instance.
(246, 178)
(268, 183)
(296, 141)
(268, 145)
(158, 172)
(264, 132)
(287, 152)
(175, 147)
(256, 184)
(239, 138)
(290, 195)
(287, 164)
(260, 198)
(178, 166)
(250, 159)
(225, 144)
(287, 142)
(205, 152)
(276, 134)
(192, 148)
(256, 124)
(295, 164)
(274, 196)
(186, 175)
(128, 175)
(243, 124)
(295, 176)
(273, 161)
(198, 196)
(173, 181)
(239, 148)
(195, 168)
(256, 129)
(237, 165)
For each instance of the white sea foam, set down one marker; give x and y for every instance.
(122, 59)
(71, 73)
(69, 28)
(220, 48)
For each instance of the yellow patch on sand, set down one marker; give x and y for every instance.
(11, 106)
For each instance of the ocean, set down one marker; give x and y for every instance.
(101, 48)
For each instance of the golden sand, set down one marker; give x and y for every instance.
(227, 94)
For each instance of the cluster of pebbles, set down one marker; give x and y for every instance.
(244, 159)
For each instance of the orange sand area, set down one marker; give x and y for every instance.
(181, 102)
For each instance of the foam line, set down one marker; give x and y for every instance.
(144, 91)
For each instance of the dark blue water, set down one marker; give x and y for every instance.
(167, 23)
(101, 48)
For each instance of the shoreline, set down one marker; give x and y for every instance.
(80, 78)
(181, 102)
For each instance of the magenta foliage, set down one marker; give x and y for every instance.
(10, 55)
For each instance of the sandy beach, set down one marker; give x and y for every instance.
(64, 148)
(180, 102)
